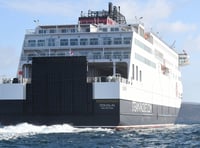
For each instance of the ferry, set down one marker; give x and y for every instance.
(100, 72)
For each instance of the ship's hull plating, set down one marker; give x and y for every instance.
(109, 113)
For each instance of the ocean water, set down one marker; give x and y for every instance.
(26, 135)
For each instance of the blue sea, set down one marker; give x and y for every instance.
(26, 135)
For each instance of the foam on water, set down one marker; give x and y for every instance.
(64, 135)
(26, 129)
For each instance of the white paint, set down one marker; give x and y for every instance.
(12, 92)
(106, 90)
(138, 94)
(118, 90)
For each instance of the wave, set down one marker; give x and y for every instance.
(26, 129)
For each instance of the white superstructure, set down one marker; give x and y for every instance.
(145, 68)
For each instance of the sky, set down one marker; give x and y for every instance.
(175, 21)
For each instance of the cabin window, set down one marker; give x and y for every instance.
(104, 29)
(127, 40)
(97, 55)
(126, 55)
(107, 41)
(51, 42)
(41, 43)
(52, 31)
(83, 41)
(73, 30)
(117, 41)
(114, 29)
(31, 43)
(107, 55)
(73, 42)
(63, 42)
(42, 31)
(94, 41)
(63, 30)
(117, 55)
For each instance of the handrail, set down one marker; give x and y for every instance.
(90, 55)
(100, 79)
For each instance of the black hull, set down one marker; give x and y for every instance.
(113, 113)
(60, 94)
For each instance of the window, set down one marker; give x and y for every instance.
(51, 42)
(97, 55)
(63, 42)
(143, 46)
(117, 41)
(140, 75)
(107, 41)
(136, 72)
(114, 29)
(107, 55)
(158, 55)
(126, 55)
(73, 30)
(83, 41)
(63, 30)
(94, 41)
(145, 60)
(52, 31)
(117, 55)
(127, 40)
(104, 30)
(133, 71)
(31, 43)
(73, 42)
(41, 43)
(42, 31)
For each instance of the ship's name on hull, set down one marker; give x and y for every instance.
(107, 106)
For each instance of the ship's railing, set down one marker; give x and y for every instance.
(4, 80)
(90, 55)
(82, 29)
(107, 79)
(30, 31)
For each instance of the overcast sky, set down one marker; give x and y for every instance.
(174, 21)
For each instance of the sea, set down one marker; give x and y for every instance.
(26, 135)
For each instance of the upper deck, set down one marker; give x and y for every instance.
(103, 37)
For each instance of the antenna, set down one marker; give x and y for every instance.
(138, 20)
(36, 22)
(173, 44)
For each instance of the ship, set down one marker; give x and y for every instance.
(100, 72)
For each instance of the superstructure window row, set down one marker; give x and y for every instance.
(145, 60)
(143, 46)
(76, 41)
(74, 29)
(52, 31)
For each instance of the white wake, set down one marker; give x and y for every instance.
(25, 129)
